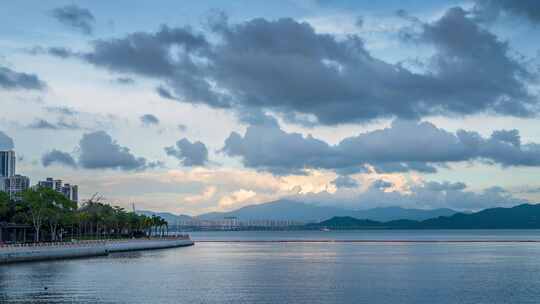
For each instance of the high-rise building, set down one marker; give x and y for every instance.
(15, 184)
(58, 185)
(11, 182)
(47, 183)
(75, 193)
(7, 163)
(69, 191)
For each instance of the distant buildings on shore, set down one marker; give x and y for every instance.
(69, 191)
(232, 223)
(13, 183)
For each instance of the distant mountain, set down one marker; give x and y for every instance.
(169, 217)
(524, 216)
(298, 211)
(385, 214)
(347, 222)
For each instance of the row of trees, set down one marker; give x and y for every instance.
(53, 216)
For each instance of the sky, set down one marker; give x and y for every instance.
(192, 107)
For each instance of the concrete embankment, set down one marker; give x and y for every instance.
(52, 251)
(132, 245)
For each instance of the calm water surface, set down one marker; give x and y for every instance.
(295, 272)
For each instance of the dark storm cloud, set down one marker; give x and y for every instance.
(287, 67)
(474, 68)
(491, 9)
(149, 53)
(405, 146)
(11, 80)
(344, 181)
(6, 142)
(75, 17)
(190, 154)
(149, 120)
(58, 157)
(510, 136)
(99, 151)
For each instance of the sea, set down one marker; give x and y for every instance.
(382, 266)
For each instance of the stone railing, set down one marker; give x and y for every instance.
(84, 243)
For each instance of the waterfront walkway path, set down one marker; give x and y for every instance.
(367, 241)
(78, 249)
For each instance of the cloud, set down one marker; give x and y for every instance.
(474, 68)
(345, 181)
(149, 120)
(11, 80)
(189, 154)
(60, 125)
(99, 151)
(422, 194)
(207, 194)
(149, 53)
(164, 93)
(182, 127)
(530, 190)
(405, 146)
(58, 157)
(508, 136)
(42, 124)
(333, 79)
(445, 186)
(491, 9)
(75, 17)
(124, 80)
(381, 184)
(236, 198)
(6, 142)
(62, 110)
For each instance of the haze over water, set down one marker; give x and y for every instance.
(295, 272)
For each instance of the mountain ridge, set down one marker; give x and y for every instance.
(524, 216)
(304, 212)
(300, 211)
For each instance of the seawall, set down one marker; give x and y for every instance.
(53, 251)
(132, 245)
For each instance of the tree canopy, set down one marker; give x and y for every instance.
(54, 217)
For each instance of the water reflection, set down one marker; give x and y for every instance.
(287, 273)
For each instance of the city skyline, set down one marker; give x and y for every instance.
(15, 184)
(192, 108)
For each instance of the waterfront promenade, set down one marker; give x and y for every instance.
(78, 249)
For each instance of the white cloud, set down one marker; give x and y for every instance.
(236, 198)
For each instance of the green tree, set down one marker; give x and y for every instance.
(58, 211)
(38, 202)
(5, 202)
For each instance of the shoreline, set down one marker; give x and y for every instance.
(368, 241)
(57, 251)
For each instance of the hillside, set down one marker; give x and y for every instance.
(298, 211)
(524, 216)
(169, 217)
